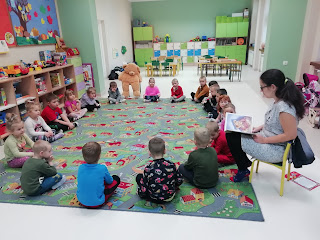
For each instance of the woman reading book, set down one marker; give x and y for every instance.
(280, 126)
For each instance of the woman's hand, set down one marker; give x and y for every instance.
(259, 139)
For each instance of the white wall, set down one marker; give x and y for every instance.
(116, 15)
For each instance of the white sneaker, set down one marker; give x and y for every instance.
(76, 124)
(95, 109)
(58, 184)
(146, 100)
(123, 100)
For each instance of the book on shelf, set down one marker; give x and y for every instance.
(238, 123)
(55, 79)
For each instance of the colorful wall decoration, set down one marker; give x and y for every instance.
(6, 31)
(34, 21)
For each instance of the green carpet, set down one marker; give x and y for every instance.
(124, 131)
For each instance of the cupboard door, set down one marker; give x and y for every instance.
(139, 56)
(137, 34)
(147, 33)
(148, 54)
(243, 28)
(231, 52)
(232, 29)
(220, 51)
(221, 30)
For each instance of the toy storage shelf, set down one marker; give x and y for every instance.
(27, 87)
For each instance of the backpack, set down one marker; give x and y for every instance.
(113, 75)
(301, 152)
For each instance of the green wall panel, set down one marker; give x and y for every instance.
(284, 35)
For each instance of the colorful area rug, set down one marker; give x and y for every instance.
(123, 132)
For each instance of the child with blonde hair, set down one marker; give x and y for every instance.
(73, 106)
(160, 179)
(95, 184)
(201, 168)
(202, 91)
(219, 143)
(17, 147)
(36, 127)
(38, 174)
(89, 101)
(115, 96)
(176, 92)
(152, 93)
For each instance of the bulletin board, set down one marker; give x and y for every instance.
(34, 21)
(6, 31)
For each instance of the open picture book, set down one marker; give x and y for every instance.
(238, 123)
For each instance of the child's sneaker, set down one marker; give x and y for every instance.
(123, 100)
(58, 184)
(58, 136)
(146, 100)
(240, 175)
(95, 109)
(172, 101)
(76, 124)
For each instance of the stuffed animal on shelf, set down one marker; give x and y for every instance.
(167, 38)
(131, 76)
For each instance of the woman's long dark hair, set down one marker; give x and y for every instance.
(287, 91)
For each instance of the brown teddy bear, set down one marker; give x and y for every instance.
(131, 76)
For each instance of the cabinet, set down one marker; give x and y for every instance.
(142, 41)
(28, 86)
(231, 31)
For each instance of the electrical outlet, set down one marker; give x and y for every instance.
(285, 63)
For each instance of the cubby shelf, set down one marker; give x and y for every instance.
(27, 87)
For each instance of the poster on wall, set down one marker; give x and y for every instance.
(6, 31)
(88, 75)
(34, 21)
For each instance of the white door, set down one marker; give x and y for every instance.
(103, 47)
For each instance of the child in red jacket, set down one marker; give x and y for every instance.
(219, 143)
(176, 92)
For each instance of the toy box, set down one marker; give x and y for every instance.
(45, 55)
(55, 79)
(40, 84)
(3, 98)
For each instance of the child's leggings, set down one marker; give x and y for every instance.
(108, 191)
(19, 161)
(152, 98)
(113, 100)
(178, 99)
(55, 137)
(79, 115)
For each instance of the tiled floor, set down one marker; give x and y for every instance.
(293, 216)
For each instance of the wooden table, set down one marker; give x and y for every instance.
(232, 67)
(171, 64)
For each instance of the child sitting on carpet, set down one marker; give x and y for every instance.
(38, 174)
(210, 103)
(219, 143)
(115, 96)
(201, 168)
(152, 93)
(54, 117)
(89, 101)
(17, 147)
(36, 127)
(176, 92)
(202, 91)
(220, 92)
(160, 179)
(222, 102)
(229, 108)
(73, 106)
(95, 184)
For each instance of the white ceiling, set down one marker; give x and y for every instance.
(143, 0)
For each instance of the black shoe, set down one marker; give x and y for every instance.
(172, 101)
(183, 100)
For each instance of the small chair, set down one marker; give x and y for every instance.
(281, 166)
(165, 67)
(155, 67)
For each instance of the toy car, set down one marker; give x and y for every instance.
(13, 72)
(50, 64)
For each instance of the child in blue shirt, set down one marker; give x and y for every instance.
(95, 184)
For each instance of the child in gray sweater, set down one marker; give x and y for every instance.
(114, 95)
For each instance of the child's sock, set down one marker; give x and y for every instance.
(58, 136)
(76, 124)
(58, 184)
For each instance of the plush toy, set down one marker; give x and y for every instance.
(131, 76)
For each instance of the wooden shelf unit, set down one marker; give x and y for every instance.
(27, 86)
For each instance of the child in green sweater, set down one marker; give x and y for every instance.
(38, 173)
(201, 168)
(17, 147)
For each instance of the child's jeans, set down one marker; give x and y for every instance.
(19, 161)
(152, 98)
(79, 115)
(187, 174)
(108, 191)
(47, 183)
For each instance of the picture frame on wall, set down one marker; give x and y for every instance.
(88, 74)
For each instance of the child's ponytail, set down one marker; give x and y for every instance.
(11, 119)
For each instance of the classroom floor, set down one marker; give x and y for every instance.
(293, 216)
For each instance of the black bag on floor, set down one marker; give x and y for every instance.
(113, 75)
